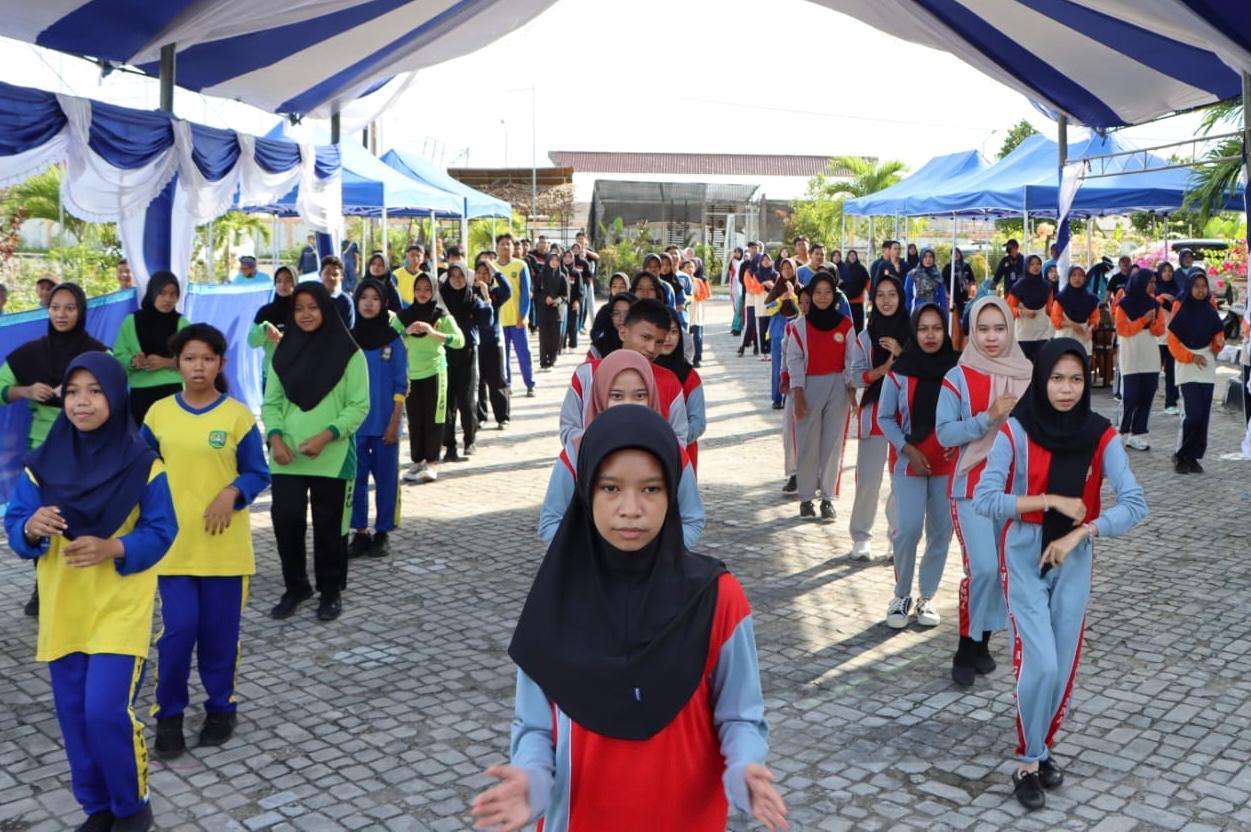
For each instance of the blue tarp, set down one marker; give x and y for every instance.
(477, 204)
(229, 308)
(931, 175)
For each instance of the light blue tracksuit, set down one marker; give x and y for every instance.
(1048, 612)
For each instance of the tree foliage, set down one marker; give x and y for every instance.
(1214, 183)
(1020, 131)
(819, 214)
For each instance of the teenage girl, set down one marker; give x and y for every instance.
(1168, 291)
(977, 396)
(789, 465)
(1195, 336)
(873, 353)
(378, 437)
(267, 326)
(1043, 479)
(464, 306)
(316, 397)
(672, 357)
(781, 306)
(1075, 313)
(920, 466)
(1030, 299)
(215, 460)
(93, 508)
(820, 381)
(142, 345)
(618, 283)
(1139, 325)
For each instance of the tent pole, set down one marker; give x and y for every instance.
(211, 264)
(872, 241)
(1090, 241)
(434, 248)
(167, 77)
(273, 238)
(1165, 234)
(842, 230)
(952, 292)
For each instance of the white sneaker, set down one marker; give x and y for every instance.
(861, 550)
(1172, 411)
(927, 616)
(413, 474)
(898, 613)
(1137, 443)
(427, 474)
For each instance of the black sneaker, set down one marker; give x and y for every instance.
(140, 821)
(451, 456)
(218, 727)
(98, 822)
(32, 606)
(778, 406)
(806, 510)
(291, 599)
(1028, 790)
(330, 607)
(791, 486)
(360, 545)
(827, 510)
(1050, 774)
(963, 670)
(381, 547)
(1180, 466)
(469, 450)
(1195, 467)
(170, 742)
(530, 392)
(983, 661)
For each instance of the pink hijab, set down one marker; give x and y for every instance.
(617, 362)
(1009, 373)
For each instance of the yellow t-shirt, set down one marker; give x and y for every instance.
(205, 451)
(510, 310)
(405, 280)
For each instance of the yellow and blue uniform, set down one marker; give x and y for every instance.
(204, 578)
(94, 627)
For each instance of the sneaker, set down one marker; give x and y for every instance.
(1172, 411)
(291, 599)
(381, 547)
(983, 661)
(170, 742)
(98, 822)
(330, 607)
(32, 606)
(140, 821)
(469, 450)
(806, 510)
(898, 613)
(413, 474)
(503, 425)
(1180, 466)
(360, 545)
(861, 550)
(1028, 790)
(451, 456)
(827, 510)
(1137, 443)
(927, 616)
(530, 392)
(1050, 775)
(963, 673)
(427, 474)
(791, 485)
(1195, 467)
(778, 406)
(218, 727)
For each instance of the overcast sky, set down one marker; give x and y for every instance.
(713, 76)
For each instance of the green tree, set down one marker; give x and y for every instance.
(820, 213)
(229, 230)
(39, 198)
(1019, 133)
(1214, 183)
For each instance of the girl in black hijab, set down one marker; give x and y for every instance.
(553, 289)
(1052, 517)
(378, 269)
(908, 411)
(142, 345)
(637, 654)
(1195, 337)
(1139, 325)
(913, 259)
(605, 339)
(271, 318)
(1168, 290)
(466, 307)
(853, 280)
(1030, 299)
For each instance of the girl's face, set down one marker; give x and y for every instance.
(646, 289)
(284, 284)
(167, 298)
(930, 331)
(1165, 272)
(666, 265)
(307, 313)
(805, 303)
(627, 388)
(422, 291)
(822, 294)
(567, 258)
(1151, 286)
(991, 334)
(377, 268)
(482, 274)
(630, 499)
(1034, 266)
(671, 340)
(1053, 274)
(369, 306)
(456, 279)
(766, 262)
(86, 406)
(1066, 383)
(63, 311)
(619, 310)
(1199, 287)
(788, 269)
(1077, 278)
(617, 285)
(886, 298)
(928, 259)
(912, 250)
(199, 365)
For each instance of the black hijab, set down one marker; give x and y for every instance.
(828, 318)
(278, 310)
(676, 361)
(854, 277)
(881, 326)
(428, 311)
(1032, 290)
(459, 302)
(310, 364)
(1137, 301)
(44, 360)
(604, 335)
(154, 327)
(1071, 437)
(619, 640)
(1196, 322)
(376, 332)
(1078, 302)
(552, 278)
(928, 369)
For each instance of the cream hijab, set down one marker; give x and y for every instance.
(1009, 373)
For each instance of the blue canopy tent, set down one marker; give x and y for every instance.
(476, 203)
(932, 174)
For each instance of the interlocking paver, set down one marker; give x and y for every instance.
(386, 718)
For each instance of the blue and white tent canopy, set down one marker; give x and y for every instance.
(477, 204)
(156, 176)
(933, 174)
(293, 56)
(1103, 63)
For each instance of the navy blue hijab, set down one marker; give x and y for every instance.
(1196, 322)
(95, 478)
(1032, 290)
(1078, 302)
(1137, 301)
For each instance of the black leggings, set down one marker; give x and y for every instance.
(549, 336)
(425, 427)
(492, 386)
(291, 495)
(462, 396)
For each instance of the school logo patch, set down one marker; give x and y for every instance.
(217, 438)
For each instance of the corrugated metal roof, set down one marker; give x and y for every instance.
(699, 164)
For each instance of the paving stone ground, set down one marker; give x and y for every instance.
(386, 718)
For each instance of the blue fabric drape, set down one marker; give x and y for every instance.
(28, 119)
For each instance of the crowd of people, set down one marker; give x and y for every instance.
(633, 653)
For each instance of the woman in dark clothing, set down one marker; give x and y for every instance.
(853, 280)
(551, 291)
(913, 259)
(492, 385)
(575, 281)
(464, 305)
(960, 289)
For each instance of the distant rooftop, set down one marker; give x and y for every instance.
(698, 164)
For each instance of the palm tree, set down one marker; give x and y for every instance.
(827, 191)
(1214, 184)
(39, 198)
(229, 230)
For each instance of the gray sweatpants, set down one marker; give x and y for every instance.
(819, 436)
(871, 456)
(921, 501)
